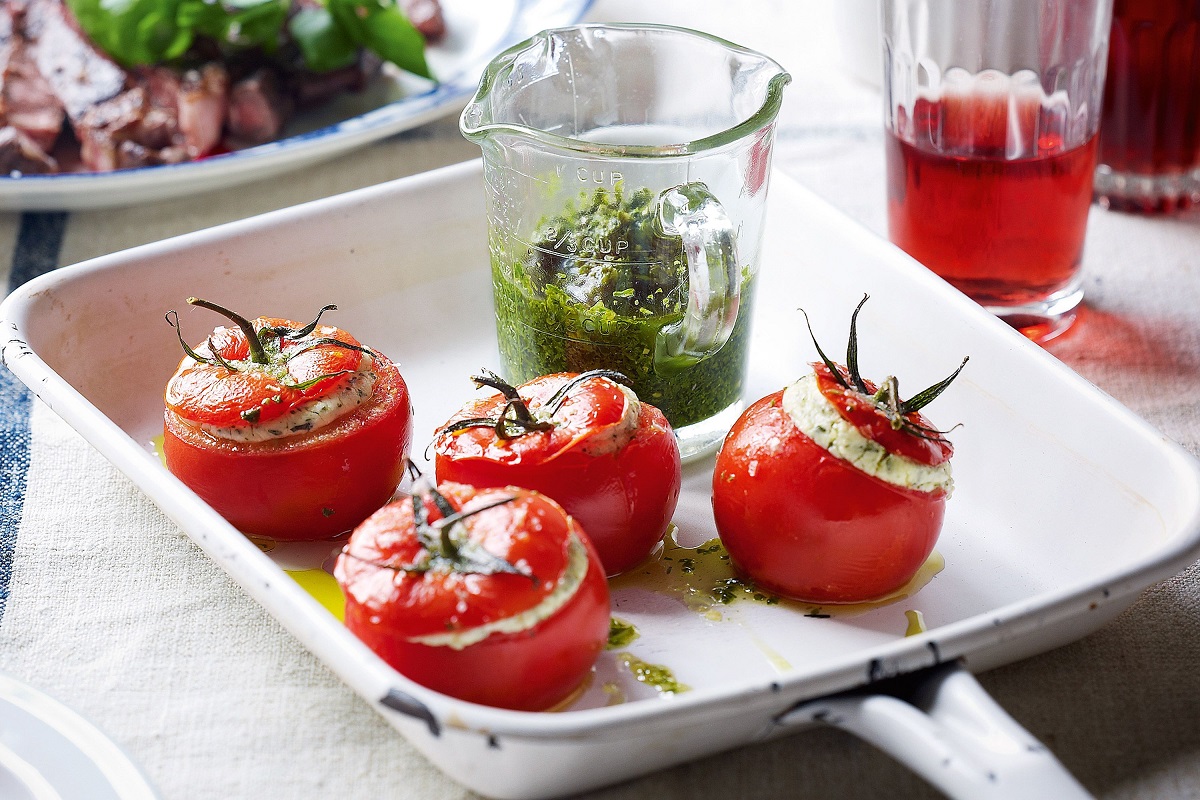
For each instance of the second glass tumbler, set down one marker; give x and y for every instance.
(992, 112)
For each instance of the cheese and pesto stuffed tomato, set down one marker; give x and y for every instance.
(584, 439)
(834, 489)
(494, 596)
(294, 432)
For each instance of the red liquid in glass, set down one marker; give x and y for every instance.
(987, 195)
(1150, 120)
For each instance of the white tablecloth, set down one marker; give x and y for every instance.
(112, 611)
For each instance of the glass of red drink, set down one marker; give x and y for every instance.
(1150, 130)
(992, 113)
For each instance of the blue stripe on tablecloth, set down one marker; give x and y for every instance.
(38, 243)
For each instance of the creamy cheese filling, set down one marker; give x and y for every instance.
(817, 419)
(615, 437)
(310, 416)
(568, 585)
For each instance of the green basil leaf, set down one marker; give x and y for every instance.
(160, 39)
(380, 26)
(393, 38)
(258, 23)
(250, 4)
(322, 42)
(200, 17)
(346, 15)
(132, 31)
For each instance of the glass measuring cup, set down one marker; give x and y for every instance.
(626, 171)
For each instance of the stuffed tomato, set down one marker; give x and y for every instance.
(833, 490)
(494, 596)
(293, 432)
(584, 439)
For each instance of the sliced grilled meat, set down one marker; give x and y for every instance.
(131, 154)
(203, 103)
(20, 154)
(311, 89)
(258, 108)
(79, 74)
(27, 102)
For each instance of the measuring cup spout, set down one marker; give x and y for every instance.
(516, 81)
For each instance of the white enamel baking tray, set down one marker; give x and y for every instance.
(1053, 529)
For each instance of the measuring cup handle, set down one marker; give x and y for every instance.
(692, 212)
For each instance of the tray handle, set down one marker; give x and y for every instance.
(944, 726)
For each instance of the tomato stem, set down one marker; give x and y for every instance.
(173, 321)
(257, 353)
(922, 399)
(216, 354)
(832, 367)
(559, 397)
(852, 348)
(524, 421)
(302, 385)
(447, 541)
(515, 401)
(320, 341)
(258, 341)
(489, 378)
(299, 333)
(887, 397)
(516, 411)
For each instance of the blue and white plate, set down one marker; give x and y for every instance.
(476, 30)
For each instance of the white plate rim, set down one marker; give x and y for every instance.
(82, 740)
(93, 190)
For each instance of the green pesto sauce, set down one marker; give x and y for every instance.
(704, 579)
(593, 290)
(712, 574)
(620, 633)
(655, 675)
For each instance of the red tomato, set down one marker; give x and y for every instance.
(800, 518)
(618, 476)
(443, 603)
(805, 524)
(311, 484)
